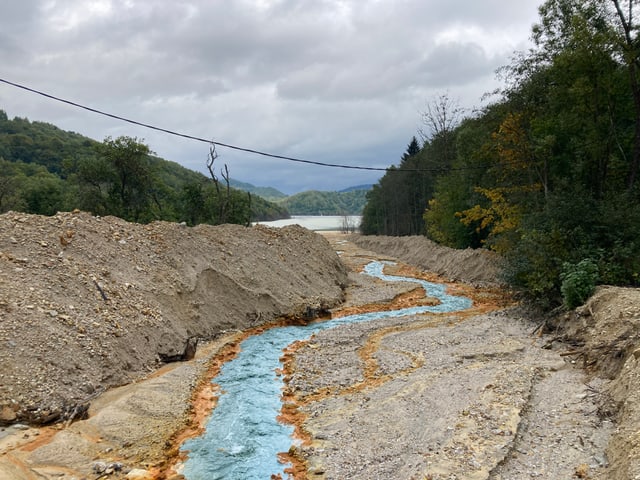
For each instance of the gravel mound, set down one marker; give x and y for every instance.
(88, 303)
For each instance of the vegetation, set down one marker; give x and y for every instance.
(350, 201)
(268, 193)
(547, 175)
(313, 202)
(44, 170)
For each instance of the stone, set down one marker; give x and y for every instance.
(139, 474)
(7, 415)
(99, 467)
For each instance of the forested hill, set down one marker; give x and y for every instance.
(350, 201)
(315, 202)
(44, 169)
(548, 175)
(268, 193)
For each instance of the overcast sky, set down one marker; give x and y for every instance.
(336, 81)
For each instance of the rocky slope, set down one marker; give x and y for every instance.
(88, 303)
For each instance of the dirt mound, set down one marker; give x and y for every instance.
(87, 303)
(478, 267)
(605, 333)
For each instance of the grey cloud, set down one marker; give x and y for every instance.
(456, 63)
(330, 80)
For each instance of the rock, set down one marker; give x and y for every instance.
(188, 352)
(99, 467)
(139, 474)
(7, 415)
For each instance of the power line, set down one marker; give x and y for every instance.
(392, 168)
(192, 137)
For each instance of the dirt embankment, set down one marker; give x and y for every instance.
(88, 303)
(477, 267)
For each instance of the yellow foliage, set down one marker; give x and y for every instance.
(513, 147)
(499, 217)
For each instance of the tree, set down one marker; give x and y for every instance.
(129, 177)
(9, 186)
(630, 53)
(559, 183)
(412, 149)
(230, 205)
(43, 193)
(441, 116)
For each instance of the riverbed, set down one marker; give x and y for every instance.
(244, 436)
(472, 395)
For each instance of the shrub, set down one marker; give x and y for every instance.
(578, 282)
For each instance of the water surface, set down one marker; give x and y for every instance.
(242, 437)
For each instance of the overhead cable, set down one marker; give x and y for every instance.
(184, 135)
(226, 145)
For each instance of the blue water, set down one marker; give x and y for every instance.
(243, 437)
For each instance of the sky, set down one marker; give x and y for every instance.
(333, 81)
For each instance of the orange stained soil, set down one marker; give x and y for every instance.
(484, 301)
(205, 396)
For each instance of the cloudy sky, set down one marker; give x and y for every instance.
(335, 81)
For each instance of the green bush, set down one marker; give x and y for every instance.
(578, 282)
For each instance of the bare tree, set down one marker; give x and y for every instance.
(224, 194)
(442, 114)
(224, 200)
(348, 224)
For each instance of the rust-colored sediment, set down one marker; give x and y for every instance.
(203, 400)
(205, 395)
(484, 301)
(291, 414)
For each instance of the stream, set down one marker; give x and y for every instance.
(242, 437)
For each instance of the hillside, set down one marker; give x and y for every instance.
(44, 169)
(350, 201)
(268, 193)
(314, 202)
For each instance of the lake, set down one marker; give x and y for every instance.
(317, 223)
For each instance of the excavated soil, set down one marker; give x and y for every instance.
(94, 311)
(476, 267)
(89, 303)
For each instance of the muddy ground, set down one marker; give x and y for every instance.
(481, 394)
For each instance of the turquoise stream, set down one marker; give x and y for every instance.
(243, 437)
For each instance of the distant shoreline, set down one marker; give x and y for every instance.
(317, 222)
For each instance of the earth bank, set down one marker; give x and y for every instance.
(88, 304)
